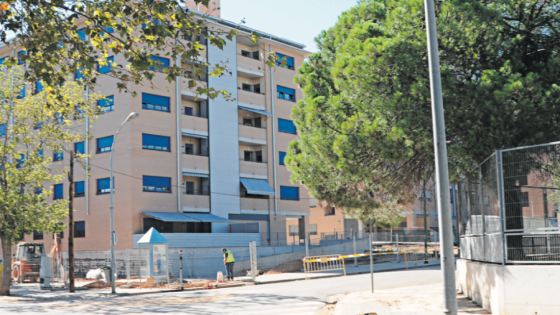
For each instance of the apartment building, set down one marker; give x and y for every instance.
(203, 172)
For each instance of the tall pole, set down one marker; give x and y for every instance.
(425, 225)
(371, 255)
(71, 223)
(442, 173)
(112, 189)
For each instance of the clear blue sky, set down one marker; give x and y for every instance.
(297, 20)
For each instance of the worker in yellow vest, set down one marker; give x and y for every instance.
(228, 262)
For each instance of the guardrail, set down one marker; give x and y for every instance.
(323, 263)
(411, 257)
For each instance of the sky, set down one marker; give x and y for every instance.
(297, 20)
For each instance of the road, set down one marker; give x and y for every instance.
(295, 298)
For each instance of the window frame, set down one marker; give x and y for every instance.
(155, 148)
(101, 150)
(156, 107)
(82, 233)
(283, 131)
(279, 62)
(55, 192)
(163, 60)
(281, 158)
(292, 99)
(110, 62)
(79, 194)
(76, 144)
(104, 191)
(110, 104)
(291, 187)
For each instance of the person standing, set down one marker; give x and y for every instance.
(228, 262)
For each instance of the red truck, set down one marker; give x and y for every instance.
(26, 264)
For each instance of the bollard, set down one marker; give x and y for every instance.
(181, 270)
(398, 257)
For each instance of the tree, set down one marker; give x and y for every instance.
(31, 128)
(55, 49)
(365, 120)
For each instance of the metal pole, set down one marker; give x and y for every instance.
(442, 173)
(371, 257)
(112, 188)
(425, 225)
(273, 134)
(178, 136)
(354, 250)
(398, 257)
(71, 286)
(181, 270)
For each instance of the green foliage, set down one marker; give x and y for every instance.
(365, 121)
(42, 123)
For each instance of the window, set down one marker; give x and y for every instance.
(58, 191)
(2, 60)
(79, 189)
(79, 148)
(258, 156)
(80, 229)
(38, 191)
(427, 193)
(245, 53)
(289, 61)
(104, 186)
(155, 102)
(289, 193)
(312, 229)
(38, 86)
(40, 154)
(256, 55)
(188, 111)
(106, 68)
(258, 122)
(20, 161)
(3, 130)
(158, 143)
(199, 227)
(246, 87)
(189, 188)
(161, 63)
(331, 211)
(79, 75)
(21, 92)
(248, 156)
(281, 157)
(160, 226)
(189, 148)
(37, 236)
(107, 104)
(312, 203)
(82, 34)
(247, 121)
(20, 53)
(286, 126)
(104, 144)
(524, 199)
(156, 184)
(522, 181)
(486, 200)
(108, 30)
(257, 88)
(285, 93)
(294, 230)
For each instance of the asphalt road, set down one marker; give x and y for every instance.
(295, 298)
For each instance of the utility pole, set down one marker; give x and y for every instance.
(71, 223)
(442, 172)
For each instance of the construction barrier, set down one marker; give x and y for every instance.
(411, 257)
(323, 263)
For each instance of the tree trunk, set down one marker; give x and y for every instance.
(7, 273)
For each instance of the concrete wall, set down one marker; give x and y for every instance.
(510, 289)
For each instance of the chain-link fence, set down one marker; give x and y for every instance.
(509, 214)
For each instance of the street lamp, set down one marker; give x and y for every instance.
(130, 117)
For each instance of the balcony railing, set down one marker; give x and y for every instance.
(250, 91)
(251, 125)
(196, 192)
(245, 160)
(198, 154)
(251, 56)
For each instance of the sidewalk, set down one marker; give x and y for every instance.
(350, 270)
(415, 300)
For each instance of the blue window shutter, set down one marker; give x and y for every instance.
(163, 61)
(82, 34)
(281, 156)
(154, 142)
(108, 30)
(289, 193)
(38, 86)
(156, 184)
(21, 52)
(79, 147)
(79, 75)
(58, 191)
(80, 188)
(20, 161)
(286, 126)
(104, 144)
(40, 154)
(155, 99)
(107, 101)
(104, 183)
(285, 90)
(106, 68)
(58, 156)
(22, 92)
(2, 60)
(289, 61)
(3, 130)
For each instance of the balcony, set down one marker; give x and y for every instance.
(249, 68)
(194, 162)
(189, 93)
(255, 203)
(253, 169)
(247, 97)
(252, 135)
(194, 123)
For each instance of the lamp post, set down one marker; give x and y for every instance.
(130, 117)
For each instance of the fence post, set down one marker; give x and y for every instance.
(398, 255)
(354, 249)
(307, 238)
(253, 257)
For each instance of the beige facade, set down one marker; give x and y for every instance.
(189, 165)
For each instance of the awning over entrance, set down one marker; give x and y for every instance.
(194, 135)
(262, 112)
(185, 217)
(207, 217)
(169, 216)
(196, 174)
(257, 186)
